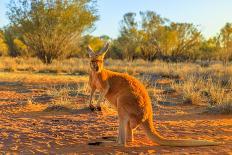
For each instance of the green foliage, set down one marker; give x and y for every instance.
(4, 49)
(21, 47)
(52, 28)
(209, 49)
(15, 44)
(155, 37)
(55, 29)
(128, 41)
(187, 40)
(152, 34)
(9, 37)
(95, 42)
(225, 39)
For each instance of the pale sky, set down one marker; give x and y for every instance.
(209, 15)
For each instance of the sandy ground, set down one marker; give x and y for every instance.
(25, 128)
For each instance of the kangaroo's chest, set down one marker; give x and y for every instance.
(97, 82)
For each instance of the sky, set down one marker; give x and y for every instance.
(208, 15)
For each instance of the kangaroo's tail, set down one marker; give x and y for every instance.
(155, 137)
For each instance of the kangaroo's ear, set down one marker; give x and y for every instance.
(104, 49)
(90, 51)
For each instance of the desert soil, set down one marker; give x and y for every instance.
(28, 127)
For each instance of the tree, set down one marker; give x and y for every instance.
(15, 43)
(4, 49)
(128, 40)
(96, 44)
(209, 49)
(52, 28)
(187, 41)
(115, 51)
(157, 37)
(151, 33)
(21, 48)
(225, 38)
(10, 35)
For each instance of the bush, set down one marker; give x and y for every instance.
(51, 29)
(3, 46)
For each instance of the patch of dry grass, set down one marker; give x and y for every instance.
(64, 97)
(199, 84)
(47, 79)
(208, 86)
(71, 66)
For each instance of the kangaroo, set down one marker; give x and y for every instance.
(131, 100)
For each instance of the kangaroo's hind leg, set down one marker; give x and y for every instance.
(133, 123)
(123, 123)
(129, 133)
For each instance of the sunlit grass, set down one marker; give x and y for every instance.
(198, 84)
(63, 96)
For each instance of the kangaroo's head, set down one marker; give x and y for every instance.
(96, 63)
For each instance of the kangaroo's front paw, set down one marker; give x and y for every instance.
(91, 107)
(99, 108)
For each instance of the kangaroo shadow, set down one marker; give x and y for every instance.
(58, 108)
(54, 111)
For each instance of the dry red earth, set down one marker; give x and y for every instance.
(27, 128)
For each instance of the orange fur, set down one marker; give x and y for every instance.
(132, 101)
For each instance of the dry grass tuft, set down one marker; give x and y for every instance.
(211, 86)
(224, 108)
(71, 66)
(64, 97)
(32, 107)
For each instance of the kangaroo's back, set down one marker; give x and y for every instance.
(124, 87)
